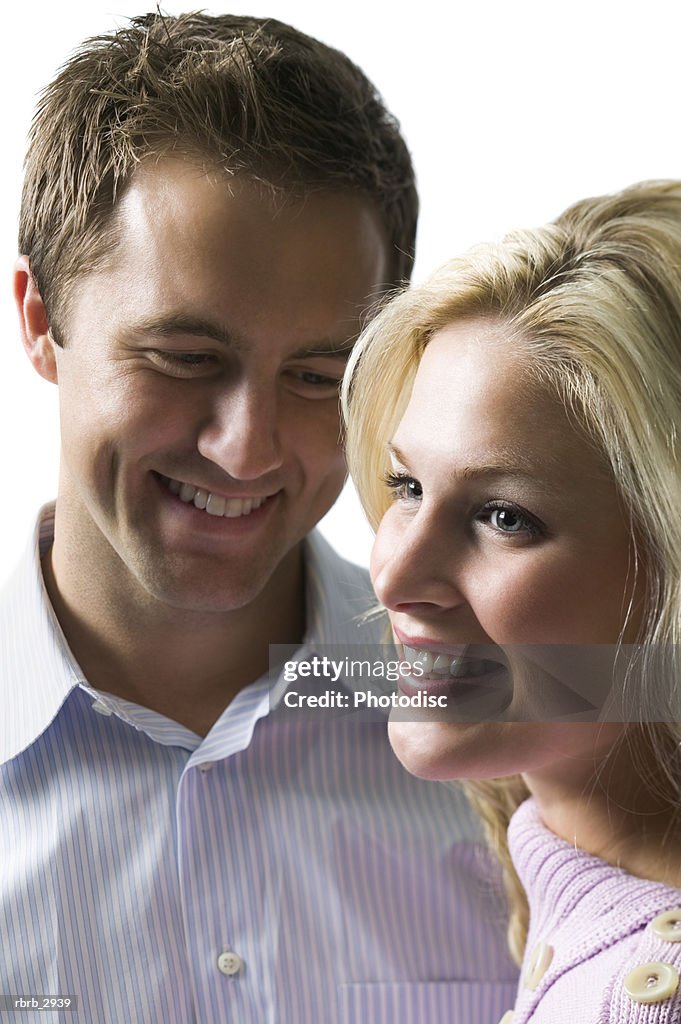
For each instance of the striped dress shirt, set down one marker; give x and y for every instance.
(281, 870)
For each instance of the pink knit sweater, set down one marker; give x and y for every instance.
(602, 944)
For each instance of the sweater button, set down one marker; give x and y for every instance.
(667, 926)
(538, 965)
(651, 983)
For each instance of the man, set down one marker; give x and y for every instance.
(210, 206)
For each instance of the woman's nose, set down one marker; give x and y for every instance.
(414, 564)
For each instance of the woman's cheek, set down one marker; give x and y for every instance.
(518, 604)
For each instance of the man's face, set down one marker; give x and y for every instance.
(198, 383)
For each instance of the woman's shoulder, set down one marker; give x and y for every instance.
(602, 942)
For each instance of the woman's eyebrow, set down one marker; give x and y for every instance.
(508, 462)
(396, 453)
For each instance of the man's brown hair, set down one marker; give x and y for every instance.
(251, 96)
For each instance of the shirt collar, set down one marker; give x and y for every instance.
(337, 596)
(38, 670)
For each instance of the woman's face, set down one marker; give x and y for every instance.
(504, 529)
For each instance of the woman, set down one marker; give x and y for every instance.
(513, 429)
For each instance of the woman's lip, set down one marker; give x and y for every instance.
(484, 671)
(423, 643)
(451, 688)
(431, 687)
(467, 700)
(489, 653)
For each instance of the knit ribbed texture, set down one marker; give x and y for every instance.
(597, 919)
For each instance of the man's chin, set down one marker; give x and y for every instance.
(205, 585)
(209, 596)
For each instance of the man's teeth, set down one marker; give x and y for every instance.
(440, 666)
(213, 504)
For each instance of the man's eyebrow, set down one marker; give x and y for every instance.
(328, 348)
(185, 324)
(200, 327)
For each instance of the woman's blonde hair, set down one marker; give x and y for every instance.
(595, 297)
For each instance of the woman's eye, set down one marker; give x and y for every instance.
(404, 486)
(510, 520)
(507, 521)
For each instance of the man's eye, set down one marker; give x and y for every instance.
(183, 363)
(191, 358)
(188, 358)
(317, 379)
(403, 486)
(312, 384)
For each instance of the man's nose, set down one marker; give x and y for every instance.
(417, 570)
(242, 436)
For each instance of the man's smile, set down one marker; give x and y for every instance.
(214, 504)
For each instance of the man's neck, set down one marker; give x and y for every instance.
(186, 665)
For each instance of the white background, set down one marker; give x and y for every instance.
(512, 110)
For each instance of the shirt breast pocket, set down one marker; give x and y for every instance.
(442, 1002)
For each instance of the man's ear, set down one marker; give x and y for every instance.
(35, 330)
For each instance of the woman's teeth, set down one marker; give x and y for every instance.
(213, 504)
(438, 666)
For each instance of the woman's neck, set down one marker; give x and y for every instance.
(618, 810)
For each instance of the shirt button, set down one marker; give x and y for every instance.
(206, 766)
(651, 983)
(507, 1018)
(230, 964)
(101, 708)
(538, 965)
(667, 926)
